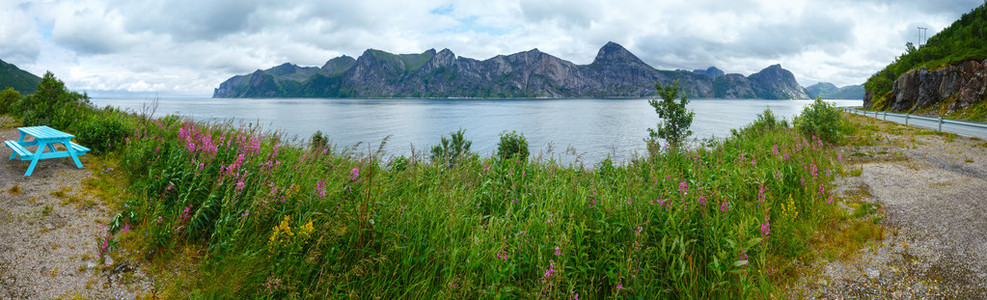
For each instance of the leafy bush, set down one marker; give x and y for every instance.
(319, 141)
(7, 99)
(102, 133)
(821, 119)
(676, 119)
(512, 145)
(453, 149)
(52, 105)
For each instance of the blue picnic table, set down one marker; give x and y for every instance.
(44, 138)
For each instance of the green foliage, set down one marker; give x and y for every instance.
(52, 105)
(965, 39)
(512, 146)
(7, 99)
(676, 119)
(13, 77)
(319, 141)
(453, 149)
(821, 119)
(103, 132)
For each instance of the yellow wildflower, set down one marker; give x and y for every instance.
(305, 231)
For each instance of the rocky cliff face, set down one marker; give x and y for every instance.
(776, 83)
(615, 72)
(953, 88)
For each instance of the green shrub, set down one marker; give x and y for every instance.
(512, 145)
(822, 120)
(7, 99)
(51, 105)
(676, 119)
(319, 141)
(102, 133)
(453, 149)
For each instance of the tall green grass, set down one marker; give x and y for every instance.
(266, 218)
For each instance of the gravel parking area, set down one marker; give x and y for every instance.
(50, 231)
(932, 192)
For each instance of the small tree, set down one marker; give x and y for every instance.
(822, 120)
(675, 118)
(7, 99)
(512, 145)
(452, 149)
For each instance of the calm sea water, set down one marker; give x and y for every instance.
(587, 129)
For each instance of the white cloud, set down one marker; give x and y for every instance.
(187, 46)
(19, 41)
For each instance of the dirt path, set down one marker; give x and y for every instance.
(932, 192)
(49, 231)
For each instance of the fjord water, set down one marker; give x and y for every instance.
(593, 128)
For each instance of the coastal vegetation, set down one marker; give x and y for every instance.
(963, 40)
(222, 210)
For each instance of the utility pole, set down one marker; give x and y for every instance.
(923, 34)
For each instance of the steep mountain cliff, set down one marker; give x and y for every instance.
(615, 72)
(776, 83)
(22, 81)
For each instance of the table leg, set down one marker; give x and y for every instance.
(19, 140)
(73, 154)
(34, 162)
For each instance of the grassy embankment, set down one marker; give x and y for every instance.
(257, 216)
(218, 211)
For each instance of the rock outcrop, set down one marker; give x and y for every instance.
(776, 83)
(615, 72)
(953, 88)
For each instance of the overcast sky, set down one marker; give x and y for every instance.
(172, 47)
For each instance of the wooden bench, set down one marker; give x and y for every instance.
(19, 150)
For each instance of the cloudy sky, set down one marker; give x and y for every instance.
(188, 47)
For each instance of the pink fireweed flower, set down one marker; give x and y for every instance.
(557, 251)
(683, 187)
(724, 205)
(702, 200)
(321, 188)
(766, 228)
(239, 185)
(485, 167)
(620, 286)
(355, 173)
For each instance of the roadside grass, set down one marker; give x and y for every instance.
(227, 212)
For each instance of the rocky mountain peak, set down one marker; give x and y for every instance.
(612, 53)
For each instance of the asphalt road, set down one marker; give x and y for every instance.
(970, 129)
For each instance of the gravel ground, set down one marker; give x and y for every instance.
(932, 192)
(49, 249)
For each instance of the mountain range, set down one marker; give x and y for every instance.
(828, 90)
(22, 81)
(614, 73)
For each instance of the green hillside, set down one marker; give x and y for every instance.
(22, 81)
(965, 39)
